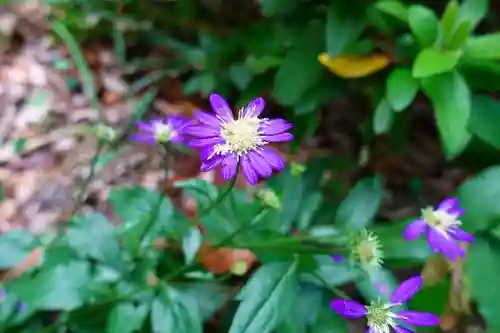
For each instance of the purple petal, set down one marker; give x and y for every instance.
(274, 159)
(402, 329)
(207, 119)
(415, 229)
(144, 126)
(406, 290)
(143, 137)
(337, 258)
(229, 166)
(347, 308)
(414, 318)
(220, 106)
(460, 235)
(274, 126)
(259, 164)
(201, 131)
(207, 153)
(451, 205)
(202, 142)
(211, 164)
(178, 122)
(22, 307)
(447, 246)
(3, 294)
(248, 171)
(254, 108)
(283, 137)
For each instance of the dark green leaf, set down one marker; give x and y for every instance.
(173, 312)
(330, 271)
(277, 7)
(267, 298)
(344, 24)
(329, 321)
(483, 272)
(383, 117)
(203, 83)
(309, 207)
(401, 88)
(450, 97)
(485, 119)
(430, 62)
(15, 246)
(126, 318)
(94, 236)
(361, 205)
(241, 76)
(478, 197)
(423, 24)
(209, 296)
(394, 8)
(301, 62)
(191, 243)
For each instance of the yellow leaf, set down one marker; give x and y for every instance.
(354, 66)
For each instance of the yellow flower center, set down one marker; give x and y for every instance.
(240, 136)
(379, 317)
(440, 220)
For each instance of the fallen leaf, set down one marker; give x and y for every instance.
(354, 66)
(225, 259)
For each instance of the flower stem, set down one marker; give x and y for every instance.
(220, 197)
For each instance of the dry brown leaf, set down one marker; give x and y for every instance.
(224, 259)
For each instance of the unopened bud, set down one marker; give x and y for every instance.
(105, 132)
(269, 198)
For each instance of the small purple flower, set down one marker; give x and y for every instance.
(382, 317)
(442, 227)
(337, 258)
(161, 130)
(229, 142)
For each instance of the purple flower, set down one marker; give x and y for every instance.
(442, 227)
(161, 130)
(382, 317)
(229, 142)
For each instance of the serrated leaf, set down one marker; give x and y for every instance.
(126, 318)
(344, 24)
(430, 62)
(267, 298)
(361, 205)
(401, 88)
(92, 235)
(480, 210)
(483, 271)
(354, 66)
(423, 24)
(450, 97)
(173, 312)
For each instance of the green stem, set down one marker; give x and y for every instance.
(333, 289)
(220, 197)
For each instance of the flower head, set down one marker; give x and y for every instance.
(366, 248)
(385, 317)
(161, 130)
(229, 142)
(443, 229)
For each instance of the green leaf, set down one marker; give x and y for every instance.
(483, 272)
(401, 88)
(267, 298)
(92, 235)
(460, 36)
(478, 197)
(344, 24)
(474, 11)
(361, 205)
(396, 248)
(449, 20)
(240, 75)
(430, 62)
(62, 287)
(433, 299)
(423, 24)
(450, 97)
(328, 321)
(202, 191)
(330, 271)
(485, 119)
(203, 83)
(277, 7)
(173, 312)
(301, 61)
(378, 283)
(15, 246)
(309, 207)
(394, 8)
(126, 318)
(383, 117)
(483, 47)
(209, 296)
(191, 243)
(143, 212)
